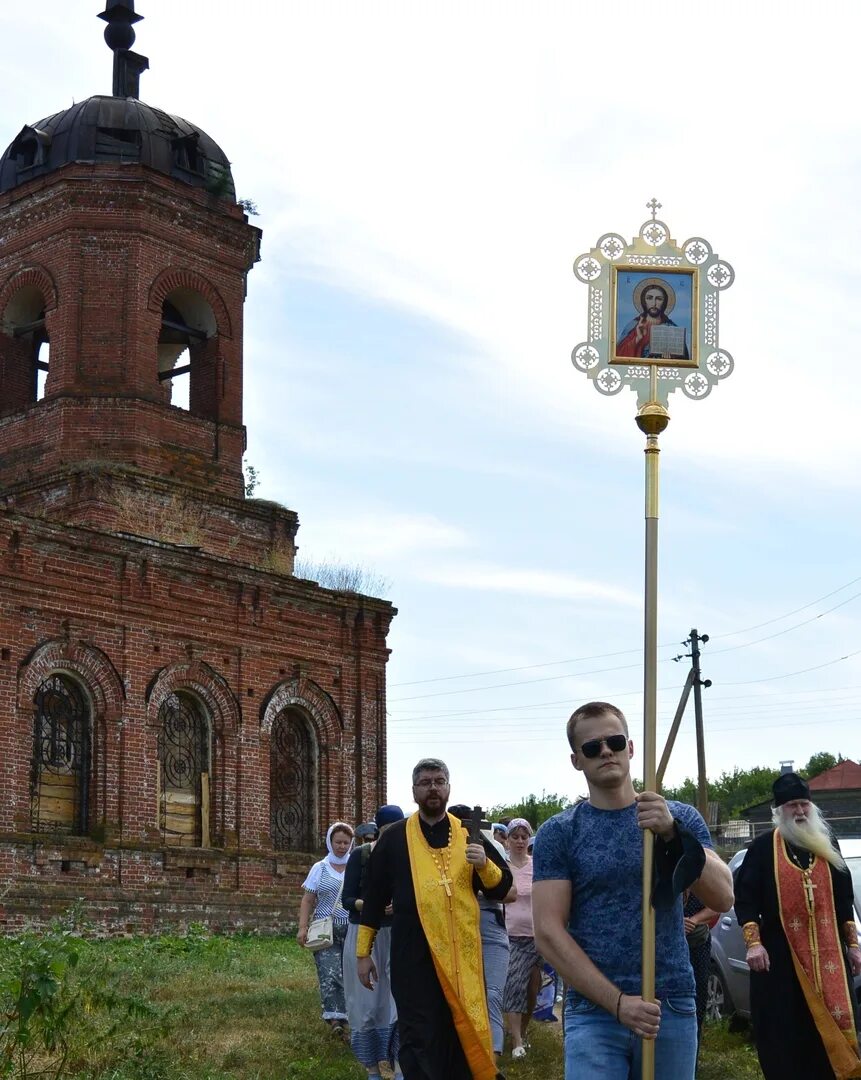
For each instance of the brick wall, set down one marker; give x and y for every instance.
(105, 246)
(132, 622)
(132, 564)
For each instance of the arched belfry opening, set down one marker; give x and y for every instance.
(185, 345)
(24, 350)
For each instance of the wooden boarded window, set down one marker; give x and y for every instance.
(292, 796)
(184, 771)
(61, 757)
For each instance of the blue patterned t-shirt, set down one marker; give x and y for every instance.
(601, 853)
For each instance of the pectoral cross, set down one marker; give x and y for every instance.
(445, 881)
(808, 891)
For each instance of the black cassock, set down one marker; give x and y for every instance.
(430, 1048)
(787, 1040)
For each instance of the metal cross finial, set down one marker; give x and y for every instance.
(654, 206)
(120, 36)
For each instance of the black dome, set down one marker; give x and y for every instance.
(118, 129)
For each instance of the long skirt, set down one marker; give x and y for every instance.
(372, 1014)
(330, 975)
(494, 953)
(522, 962)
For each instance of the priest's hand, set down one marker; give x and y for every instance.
(653, 813)
(757, 958)
(855, 960)
(641, 1017)
(476, 855)
(366, 971)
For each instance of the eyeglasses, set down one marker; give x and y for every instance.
(439, 782)
(592, 748)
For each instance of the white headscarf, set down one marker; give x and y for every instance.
(338, 826)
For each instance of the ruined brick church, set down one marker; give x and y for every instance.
(180, 716)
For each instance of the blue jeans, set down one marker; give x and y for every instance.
(494, 953)
(597, 1046)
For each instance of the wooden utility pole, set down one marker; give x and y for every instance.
(702, 784)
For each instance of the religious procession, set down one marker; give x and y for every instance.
(257, 822)
(431, 931)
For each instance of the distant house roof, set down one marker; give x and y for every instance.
(844, 776)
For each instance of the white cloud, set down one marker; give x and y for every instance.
(538, 583)
(382, 538)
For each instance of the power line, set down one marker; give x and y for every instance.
(669, 645)
(523, 682)
(491, 725)
(465, 713)
(541, 723)
(787, 630)
(561, 736)
(792, 674)
(789, 614)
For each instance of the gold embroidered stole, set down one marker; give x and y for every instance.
(451, 926)
(806, 902)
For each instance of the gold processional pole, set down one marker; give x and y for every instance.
(653, 327)
(652, 419)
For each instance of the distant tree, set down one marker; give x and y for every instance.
(343, 577)
(731, 791)
(820, 763)
(536, 809)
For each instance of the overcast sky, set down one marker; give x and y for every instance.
(426, 174)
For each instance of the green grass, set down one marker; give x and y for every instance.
(246, 1008)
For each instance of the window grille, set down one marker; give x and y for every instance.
(183, 754)
(292, 794)
(61, 757)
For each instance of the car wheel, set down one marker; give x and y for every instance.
(718, 1003)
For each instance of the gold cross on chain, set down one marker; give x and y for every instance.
(445, 881)
(808, 890)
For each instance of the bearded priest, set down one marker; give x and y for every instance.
(793, 900)
(428, 872)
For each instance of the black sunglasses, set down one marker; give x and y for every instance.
(592, 748)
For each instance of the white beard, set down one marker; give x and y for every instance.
(811, 835)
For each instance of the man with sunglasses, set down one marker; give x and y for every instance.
(586, 901)
(430, 872)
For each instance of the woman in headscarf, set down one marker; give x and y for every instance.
(372, 1013)
(322, 900)
(524, 960)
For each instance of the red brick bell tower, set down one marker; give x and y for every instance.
(180, 717)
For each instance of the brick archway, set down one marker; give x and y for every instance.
(91, 666)
(104, 687)
(177, 278)
(309, 703)
(224, 716)
(313, 700)
(206, 683)
(38, 277)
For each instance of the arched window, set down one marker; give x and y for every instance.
(23, 350)
(184, 772)
(61, 757)
(187, 326)
(292, 783)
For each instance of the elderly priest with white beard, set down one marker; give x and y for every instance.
(793, 899)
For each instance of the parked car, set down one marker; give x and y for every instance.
(729, 979)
